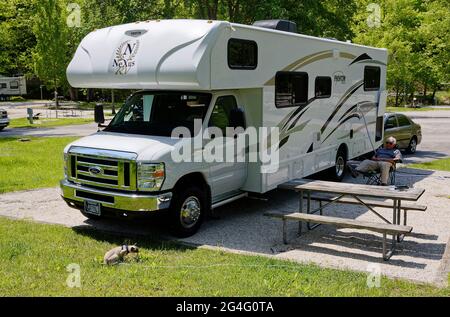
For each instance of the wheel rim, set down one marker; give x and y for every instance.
(190, 212)
(340, 166)
(413, 146)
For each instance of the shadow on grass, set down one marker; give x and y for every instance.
(149, 233)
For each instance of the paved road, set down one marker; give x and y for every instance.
(436, 131)
(70, 130)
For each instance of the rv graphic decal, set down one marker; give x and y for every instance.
(356, 111)
(288, 125)
(341, 102)
(125, 56)
(302, 62)
(365, 58)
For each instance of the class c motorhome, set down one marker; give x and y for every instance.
(326, 98)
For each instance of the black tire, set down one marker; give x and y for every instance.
(337, 173)
(193, 201)
(412, 147)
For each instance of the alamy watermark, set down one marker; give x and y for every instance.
(74, 278)
(74, 17)
(374, 275)
(374, 18)
(234, 145)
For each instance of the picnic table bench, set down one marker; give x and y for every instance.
(345, 193)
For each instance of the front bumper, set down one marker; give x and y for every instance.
(131, 202)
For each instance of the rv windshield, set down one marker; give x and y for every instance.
(158, 113)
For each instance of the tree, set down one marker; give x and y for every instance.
(16, 38)
(417, 35)
(50, 54)
(434, 32)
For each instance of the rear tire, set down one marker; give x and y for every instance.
(337, 173)
(187, 211)
(412, 147)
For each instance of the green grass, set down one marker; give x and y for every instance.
(34, 258)
(48, 123)
(34, 164)
(405, 109)
(436, 165)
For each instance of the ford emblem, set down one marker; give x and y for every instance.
(95, 170)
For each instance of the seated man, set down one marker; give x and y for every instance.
(383, 160)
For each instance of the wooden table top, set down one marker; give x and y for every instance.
(387, 192)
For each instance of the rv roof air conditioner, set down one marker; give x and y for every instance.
(280, 25)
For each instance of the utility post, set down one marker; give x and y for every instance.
(56, 103)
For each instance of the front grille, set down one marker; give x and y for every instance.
(97, 171)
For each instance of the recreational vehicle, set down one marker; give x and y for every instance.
(12, 86)
(325, 98)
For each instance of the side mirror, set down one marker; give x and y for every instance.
(388, 126)
(237, 118)
(99, 114)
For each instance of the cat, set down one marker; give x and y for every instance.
(116, 255)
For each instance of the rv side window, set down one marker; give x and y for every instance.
(323, 87)
(242, 54)
(14, 85)
(3, 85)
(291, 89)
(372, 77)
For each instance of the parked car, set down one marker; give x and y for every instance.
(4, 120)
(407, 132)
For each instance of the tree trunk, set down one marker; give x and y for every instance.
(209, 8)
(89, 94)
(73, 94)
(56, 97)
(434, 95)
(233, 10)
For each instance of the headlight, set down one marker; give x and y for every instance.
(66, 159)
(150, 176)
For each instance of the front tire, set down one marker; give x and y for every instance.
(187, 211)
(412, 147)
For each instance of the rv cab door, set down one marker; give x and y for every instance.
(228, 171)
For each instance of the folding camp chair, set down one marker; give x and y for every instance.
(374, 177)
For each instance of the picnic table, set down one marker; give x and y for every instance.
(368, 196)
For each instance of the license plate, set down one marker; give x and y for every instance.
(92, 208)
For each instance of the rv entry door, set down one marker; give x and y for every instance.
(229, 169)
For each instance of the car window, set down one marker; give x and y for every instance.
(403, 120)
(391, 122)
(220, 117)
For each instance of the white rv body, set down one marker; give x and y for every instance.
(192, 55)
(13, 86)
